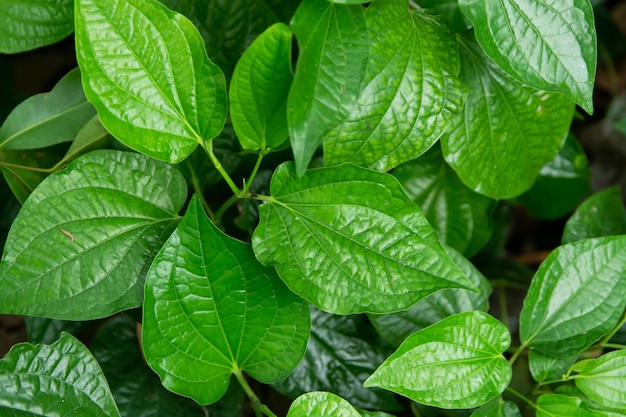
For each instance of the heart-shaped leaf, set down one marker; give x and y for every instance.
(604, 379)
(557, 405)
(321, 404)
(211, 310)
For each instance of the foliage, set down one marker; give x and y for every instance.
(275, 193)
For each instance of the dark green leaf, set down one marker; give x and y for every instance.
(321, 404)
(47, 331)
(106, 215)
(211, 310)
(350, 241)
(62, 379)
(556, 405)
(176, 97)
(577, 295)
(90, 137)
(547, 368)
(604, 379)
(497, 408)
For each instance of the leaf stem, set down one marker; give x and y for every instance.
(613, 346)
(604, 342)
(518, 352)
(220, 212)
(246, 185)
(195, 183)
(523, 397)
(259, 409)
(504, 310)
(208, 147)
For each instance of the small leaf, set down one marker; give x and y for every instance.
(602, 214)
(259, 90)
(28, 25)
(577, 296)
(498, 408)
(350, 241)
(211, 310)
(456, 363)
(176, 97)
(547, 45)
(547, 368)
(58, 380)
(556, 405)
(49, 118)
(604, 379)
(321, 404)
(333, 54)
(86, 236)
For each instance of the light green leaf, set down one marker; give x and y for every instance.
(106, 215)
(333, 54)
(321, 404)
(545, 44)
(456, 363)
(544, 367)
(577, 295)
(175, 98)
(604, 379)
(259, 90)
(463, 218)
(498, 408)
(48, 118)
(411, 90)
(506, 131)
(602, 214)
(62, 379)
(30, 24)
(556, 405)
(350, 241)
(211, 310)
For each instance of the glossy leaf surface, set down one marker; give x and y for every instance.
(557, 405)
(155, 88)
(348, 254)
(604, 379)
(498, 408)
(106, 215)
(333, 54)
(544, 367)
(259, 90)
(506, 131)
(321, 404)
(212, 310)
(62, 380)
(548, 45)
(455, 363)
(577, 295)
(410, 92)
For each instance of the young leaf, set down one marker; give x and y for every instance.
(456, 363)
(259, 89)
(86, 236)
(333, 45)
(27, 25)
(174, 97)
(410, 92)
(506, 131)
(557, 405)
(350, 241)
(498, 408)
(577, 295)
(211, 310)
(58, 380)
(604, 379)
(48, 118)
(546, 368)
(321, 404)
(547, 45)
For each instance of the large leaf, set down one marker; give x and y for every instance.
(62, 379)
(498, 408)
(106, 215)
(410, 92)
(333, 54)
(211, 310)
(174, 97)
(557, 405)
(550, 45)
(506, 132)
(455, 363)
(30, 24)
(350, 241)
(577, 295)
(604, 379)
(259, 89)
(321, 404)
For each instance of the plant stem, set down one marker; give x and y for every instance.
(198, 189)
(259, 409)
(522, 397)
(247, 184)
(605, 340)
(504, 311)
(613, 346)
(220, 212)
(516, 354)
(208, 147)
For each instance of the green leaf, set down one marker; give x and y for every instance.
(106, 215)
(411, 90)
(547, 368)
(333, 55)
(506, 132)
(602, 214)
(456, 363)
(211, 310)
(547, 45)
(350, 241)
(30, 24)
(342, 352)
(259, 90)
(463, 218)
(49, 118)
(321, 404)
(577, 296)
(498, 408)
(604, 379)
(556, 405)
(395, 327)
(176, 97)
(90, 137)
(58, 380)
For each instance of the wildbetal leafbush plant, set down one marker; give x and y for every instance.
(288, 193)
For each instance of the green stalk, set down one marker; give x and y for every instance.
(259, 409)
